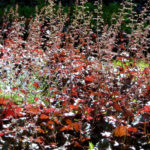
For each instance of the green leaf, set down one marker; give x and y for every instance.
(91, 146)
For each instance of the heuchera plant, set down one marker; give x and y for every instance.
(72, 95)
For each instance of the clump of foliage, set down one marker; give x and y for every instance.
(71, 94)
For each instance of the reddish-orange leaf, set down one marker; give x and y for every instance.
(50, 122)
(77, 50)
(148, 87)
(85, 139)
(69, 122)
(15, 88)
(3, 101)
(79, 68)
(76, 144)
(122, 46)
(36, 85)
(74, 106)
(43, 116)
(146, 109)
(131, 129)
(36, 98)
(50, 127)
(66, 128)
(9, 113)
(23, 91)
(55, 55)
(117, 107)
(41, 131)
(88, 117)
(39, 140)
(58, 46)
(56, 121)
(63, 52)
(127, 113)
(33, 111)
(1, 134)
(120, 58)
(89, 78)
(116, 93)
(18, 111)
(53, 144)
(121, 131)
(76, 126)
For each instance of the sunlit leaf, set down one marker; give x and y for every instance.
(43, 116)
(3, 101)
(1, 134)
(91, 146)
(121, 131)
(88, 117)
(66, 128)
(76, 127)
(36, 85)
(131, 129)
(146, 109)
(89, 78)
(39, 140)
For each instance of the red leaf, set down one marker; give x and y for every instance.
(3, 101)
(75, 107)
(36, 85)
(9, 113)
(1, 134)
(146, 109)
(79, 68)
(50, 122)
(58, 46)
(41, 131)
(122, 46)
(38, 51)
(66, 128)
(56, 121)
(43, 116)
(69, 122)
(85, 139)
(148, 87)
(76, 144)
(120, 58)
(18, 111)
(117, 107)
(121, 131)
(23, 91)
(77, 50)
(36, 98)
(63, 52)
(89, 78)
(33, 111)
(88, 117)
(76, 127)
(131, 129)
(15, 88)
(39, 140)
(53, 144)
(48, 110)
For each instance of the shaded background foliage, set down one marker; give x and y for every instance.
(27, 7)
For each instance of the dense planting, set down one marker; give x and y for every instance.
(77, 89)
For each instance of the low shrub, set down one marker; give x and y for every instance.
(72, 94)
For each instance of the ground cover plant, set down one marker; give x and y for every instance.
(85, 88)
